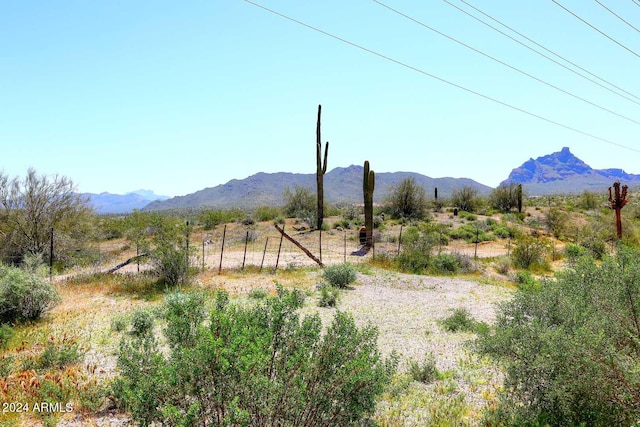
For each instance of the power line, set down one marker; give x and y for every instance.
(440, 79)
(546, 49)
(598, 30)
(518, 70)
(617, 16)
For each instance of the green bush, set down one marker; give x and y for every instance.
(258, 293)
(340, 275)
(462, 321)
(328, 296)
(141, 322)
(119, 323)
(573, 251)
(24, 296)
(258, 365)
(524, 280)
(6, 333)
(425, 372)
(445, 264)
(530, 251)
(570, 347)
(184, 311)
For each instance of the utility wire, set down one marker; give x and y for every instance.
(518, 70)
(598, 30)
(546, 49)
(442, 80)
(617, 16)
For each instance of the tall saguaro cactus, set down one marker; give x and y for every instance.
(519, 197)
(368, 185)
(617, 200)
(321, 169)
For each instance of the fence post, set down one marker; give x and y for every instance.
(475, 252)
(345, 247)
(264, 253)
(279, 249)
(224, 234)
(246, 240)
(400, 239)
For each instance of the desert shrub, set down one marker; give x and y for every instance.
(472, 233)
(340, 275)
(211, 218)
(266, 213)
(417, 247)
(119, 323)
(300, 203)
(465, 198)
(258, 293)
(24, 296)
(183, 311)
(569, 347)
(461, 320)
(258, 365)
(407, 200)
(573, 251)
(524, 280)
(60, 355)
(141, 322)
(503, 265)
(328, 296)
(530, 251)
(445, 264)
(556, 222)
(425, 371)
(6, 333)
(467, 215)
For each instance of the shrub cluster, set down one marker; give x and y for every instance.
(258, 365)
(570, 347)
(24, 296)
(339, 275)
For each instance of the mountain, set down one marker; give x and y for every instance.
(107, 203)
(563, 173)
(341, 185)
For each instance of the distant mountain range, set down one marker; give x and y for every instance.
(107, 203)
(341, 185)
(557, 173)
(563, 173)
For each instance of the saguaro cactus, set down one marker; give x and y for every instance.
(368, 185)
(321, 169)
(617, 200)
(519, 197)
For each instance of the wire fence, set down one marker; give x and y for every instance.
(268, 249)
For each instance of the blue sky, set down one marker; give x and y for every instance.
(179, 96)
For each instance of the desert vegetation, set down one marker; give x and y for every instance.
(491, 316)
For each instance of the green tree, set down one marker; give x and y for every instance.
(300, 203)
(504, 197)
(407, 200)
(31, 206)
(570, 347)
(465, 198)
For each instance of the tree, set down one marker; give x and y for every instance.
(31, 207)
(465, 198)
(505, 197)
(300, 203)
(408, 200)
